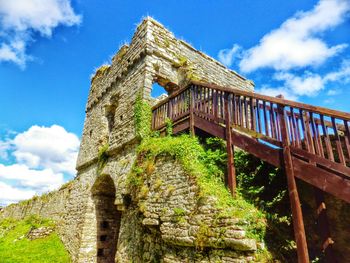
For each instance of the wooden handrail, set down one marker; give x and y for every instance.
(283, 102)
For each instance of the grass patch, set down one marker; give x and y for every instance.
(202, 165)
(16, 247)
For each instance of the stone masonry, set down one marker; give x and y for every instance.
(99, 218)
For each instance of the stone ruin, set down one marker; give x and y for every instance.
(98, 218)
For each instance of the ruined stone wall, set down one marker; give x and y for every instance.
(171, 223)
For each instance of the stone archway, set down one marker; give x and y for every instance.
(107, 219)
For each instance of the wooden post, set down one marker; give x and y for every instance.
(323, 227)
(298, 224)
(231, 172)
(192, 131)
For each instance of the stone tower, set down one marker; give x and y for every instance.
(98, 220)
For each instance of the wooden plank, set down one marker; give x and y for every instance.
(322, 179)
(323, 162)
(181, 126)
(257, 135)
(209, 127)
(258, 149)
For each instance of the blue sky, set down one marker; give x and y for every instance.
(50, 48)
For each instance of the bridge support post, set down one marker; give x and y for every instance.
(323, 226)
(231, 171)
(298, 224)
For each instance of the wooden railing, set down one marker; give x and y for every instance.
(319, 131)
(310, 143)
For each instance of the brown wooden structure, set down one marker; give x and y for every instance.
(310, 143)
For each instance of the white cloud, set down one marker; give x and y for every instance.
(309, 84)
(43, 155)
(273, 92)
(39, 180)
(343, 74)
(19, 19)
(297, 42)
(226, 56)
(47, 147)
(9, 194)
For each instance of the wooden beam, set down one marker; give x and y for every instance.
(298, 224)
(231, 172)
(322, 179)
(258, 149)
(334, 167)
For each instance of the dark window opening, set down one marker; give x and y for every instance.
(127, 200)
(158, 90)
(103, 238)
(100, 252)
(104, 224)
(110, 113)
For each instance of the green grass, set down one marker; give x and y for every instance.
(15, 247)
(201, 164)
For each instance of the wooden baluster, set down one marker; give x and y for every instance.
(222, 104)
(303, 126)
(338, 143)
(234, 109)
(298, 224)
(240, 113)
(267, 132)
(273, 121)
(329, 149)
(215, 105)
(278, 125)
(192, 103)
(258, 115)
(319, 139)
(347, 138)
(231, 173)
(297, 142)
(297, 120)
(291, 130)
(246, 113)
(252, 115)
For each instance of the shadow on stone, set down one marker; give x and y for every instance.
(107, 219)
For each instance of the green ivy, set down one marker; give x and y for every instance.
(168, 127)
(265, 186)
(142, 118)
(102, 157)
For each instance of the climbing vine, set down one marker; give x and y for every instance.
(142, 118)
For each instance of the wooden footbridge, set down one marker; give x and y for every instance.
(310, 143)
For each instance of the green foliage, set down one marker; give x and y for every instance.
(102, 156)
(168, 127)
(178, 211)
(142, 118)
(265, 186)
(16, 247)
(201, 164)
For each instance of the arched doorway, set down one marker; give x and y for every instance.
(107, 219)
